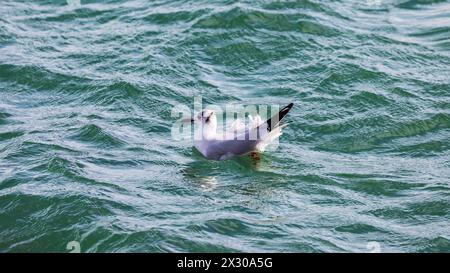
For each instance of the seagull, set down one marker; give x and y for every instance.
(240, 140)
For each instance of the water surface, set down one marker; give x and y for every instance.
(86, 154)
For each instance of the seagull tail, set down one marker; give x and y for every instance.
(274, 121)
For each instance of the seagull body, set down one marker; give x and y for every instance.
(240, 140)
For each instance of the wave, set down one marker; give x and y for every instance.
(95, 135)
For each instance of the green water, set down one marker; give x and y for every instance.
(86, 152)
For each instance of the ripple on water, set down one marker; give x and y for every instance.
(94, 135)
(358, 228)
(239, 18)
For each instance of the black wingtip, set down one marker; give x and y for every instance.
(284, 111)
(275, 120)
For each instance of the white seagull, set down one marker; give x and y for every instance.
(240, 140)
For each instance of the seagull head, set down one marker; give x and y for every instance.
(208, 119)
